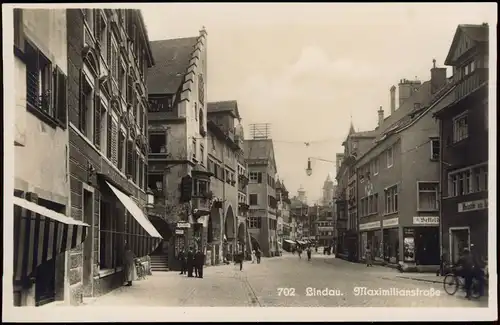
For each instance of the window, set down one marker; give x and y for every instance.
(158, 143)
(121, 151)
(369, 205)
(391, 199)
(195, 111)
(253, 199)
(110, 237)
(135, 175)
(46, 90)
(194, 149)
(256, 177)
(468, 181)
(101, 124)
(435, 149)
(201, 90)
(122, 80)
(141, 173)
(114, 142)
(86, 107)
(390, 157)
(115, 59)
(428, 196)
(254, 222)
(460, 128)
(200, 187)
(469, 68)
(102, 36)
(375, 166)
(202, 153)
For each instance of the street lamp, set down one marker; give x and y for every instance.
(151, 199)
(309, 168)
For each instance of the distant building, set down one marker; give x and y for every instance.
(464, 150)
(328, 191)
(301, 195)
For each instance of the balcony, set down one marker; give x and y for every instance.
(470, 83)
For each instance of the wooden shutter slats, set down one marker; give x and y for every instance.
(129, 157)
(109, 135)
(97, 120)
(82, 125)
(114, 144)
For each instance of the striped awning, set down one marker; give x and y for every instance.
(148, 237)
(41, 234)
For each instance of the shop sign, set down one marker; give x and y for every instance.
(325, 228)
(183, 225)
(473, 205)
(429, 220)
(179, 232)
(390, 222)
(369, 225)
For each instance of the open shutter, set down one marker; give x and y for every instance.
(109, 135)
(121, 140)
(97, 120)
(145, 176)
(130, 157)
(130, 89)
(114, 144)
(61, 97)
(82, 103)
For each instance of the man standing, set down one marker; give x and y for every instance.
(257, 254)
(182, 259)
(199, 259)
(190, 262)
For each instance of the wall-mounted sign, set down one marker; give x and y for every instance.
(179, 232)
(390, 222)
(369, 225)
(428, 220)
(183, 225)
(325, 228)
(473, 205)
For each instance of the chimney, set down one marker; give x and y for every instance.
(380, 116)
(438, 77)
(393, 100)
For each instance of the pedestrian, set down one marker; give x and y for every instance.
(182, 259)
(299, 251)
(316, 248)
(199, 259)
(309, 252)
(190, 262)
(471, 269)
(368, 256)
(129, 264)
(253, 256)
(240, 259)
(257, 255)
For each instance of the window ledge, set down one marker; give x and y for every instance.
(427, 210)
(107, 272)
(52, 122)
(434, 159)
(390, 213)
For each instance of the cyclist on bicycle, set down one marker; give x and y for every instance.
(470, 269)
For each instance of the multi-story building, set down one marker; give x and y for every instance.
(355, 144)
(262, 221)
(464, 150)
(225, 144)
(42, 198)
(177, 171)
(324, 225)
(283, 212)
(108, 56)
(243, 234)
(401, 166)
(299, 212)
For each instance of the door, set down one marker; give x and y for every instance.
(88, 211)
(45, 285)
(427, 246)
(459, 240)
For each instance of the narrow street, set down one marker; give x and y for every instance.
(258, 285)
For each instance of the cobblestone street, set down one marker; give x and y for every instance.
(260, 285)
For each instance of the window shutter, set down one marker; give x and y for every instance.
(109, 135)
(97, 25)
(130, 89)
(97, 120)
(121, 140)
(141, 174)
(109, 47)
(114, 144)
(129, 157)
(81, 109)
(259, 178)
(145, 176)
(61, 97)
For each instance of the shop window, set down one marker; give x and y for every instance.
(158, 143)
(108, 237)
(428, 196)
(460, 128)
(253, 199)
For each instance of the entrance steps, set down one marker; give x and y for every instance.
(159, 263)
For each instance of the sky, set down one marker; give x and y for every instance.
(309, 69)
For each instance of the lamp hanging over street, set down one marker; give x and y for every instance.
(151, 198)
(309, 169)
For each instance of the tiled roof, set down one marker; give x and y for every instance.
(258, 149)
(478, 33)
(172, 58)
(224, 106)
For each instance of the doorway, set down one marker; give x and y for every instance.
(88, 217)
(427, 246)
(45, 287)
(459, 240)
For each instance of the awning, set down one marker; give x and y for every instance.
(301, 242)
(141, 245)
(41, 234)
(289, 241)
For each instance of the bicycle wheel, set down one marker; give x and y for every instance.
(450, 284)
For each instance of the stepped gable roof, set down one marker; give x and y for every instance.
(230, 106)
(172, 57)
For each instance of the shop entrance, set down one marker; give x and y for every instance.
(459, 240)
(45, 287)
(427, 246)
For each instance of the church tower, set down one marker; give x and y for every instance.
(328, 191)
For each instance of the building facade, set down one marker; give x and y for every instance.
(284, 227)
(262, 220)
(464, 151)
(108, 56)
(177, 129)
(42, 202)
(328, 191)
(402, 166)
(324, 225)
(225, 149)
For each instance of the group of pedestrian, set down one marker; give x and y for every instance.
(256, 254)
(192, 261)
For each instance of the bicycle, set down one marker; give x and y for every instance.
(141, 270)
(452, 282)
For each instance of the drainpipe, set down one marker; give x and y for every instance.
(440, 213)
